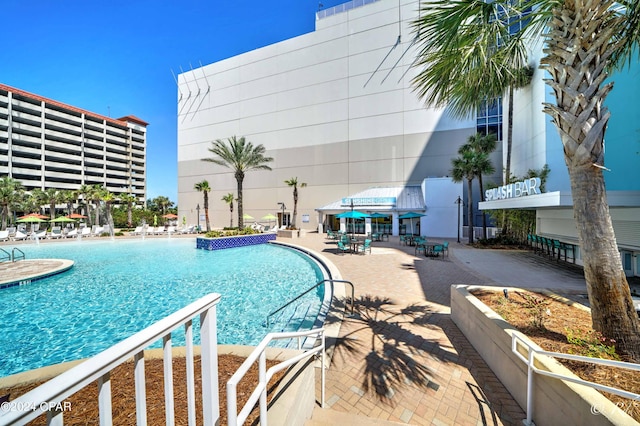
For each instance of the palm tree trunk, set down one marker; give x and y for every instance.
(231, 215)
(612, 310)
(295, 206)
(484, 215)
(239, 180)
(470, 210)
(507, 168)
(206, 210)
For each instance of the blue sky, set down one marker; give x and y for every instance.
(115, 57)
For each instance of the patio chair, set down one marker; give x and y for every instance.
(366, 246)
(445, 248)
(437, 249)
(421, 248)
(331, 235)
(342, 248)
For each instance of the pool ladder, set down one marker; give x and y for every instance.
(11, 257)
(295, 299)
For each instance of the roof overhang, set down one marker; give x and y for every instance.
(559, 199)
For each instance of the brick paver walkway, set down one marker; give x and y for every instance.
(401, 358)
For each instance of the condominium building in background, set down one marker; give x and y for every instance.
(48, 144)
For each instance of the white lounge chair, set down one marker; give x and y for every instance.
(188, 230)
(171, 230)
(137, 231)
(56, 232)
(159, 230)
(39, 235)
(4, 235)
(96, 231)
(85, 232)
(20, 236)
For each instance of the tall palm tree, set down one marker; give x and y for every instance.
(95, 195)
(11, 192)
(35, 200)
(205, 189)
(584, 40)
(229, 200)
(129, 200)
(163, 203)
(52, 197)
(293, 182)
(68, 197)
(84, 194)
(465, 70)
(108, 198)
(482, 144)
(465, 167)
(240, 156)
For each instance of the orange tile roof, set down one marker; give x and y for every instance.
(120, 121)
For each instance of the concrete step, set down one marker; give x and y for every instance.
(328, 417)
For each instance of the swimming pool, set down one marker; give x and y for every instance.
(117, 288)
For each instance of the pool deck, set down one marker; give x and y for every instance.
(25, 271)
(401, 359)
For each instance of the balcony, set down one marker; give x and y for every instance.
(54, 113)
(25, 152)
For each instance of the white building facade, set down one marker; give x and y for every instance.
(47, 144)
(334, 108)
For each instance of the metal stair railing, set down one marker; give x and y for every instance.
(318, 284)
(6, 256)
(13, 254)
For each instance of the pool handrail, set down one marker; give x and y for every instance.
(318, 284)
(13, 254)
(50, 397)
(236, 418)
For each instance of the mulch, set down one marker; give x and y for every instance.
(84, 404)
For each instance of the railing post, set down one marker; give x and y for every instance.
(168, 380)
(104, 400)
(322, 373)
(262, 378)
(141, 392)
(530, 377)
(190, 372)
(209, 361)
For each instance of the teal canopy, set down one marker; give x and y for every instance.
(353, 214)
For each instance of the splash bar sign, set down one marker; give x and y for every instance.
(529, 186)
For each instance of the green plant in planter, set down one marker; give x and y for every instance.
(592, 344)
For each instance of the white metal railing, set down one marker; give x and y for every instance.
(264, 375)
(344, 7)
(532, 369)
(49, 397)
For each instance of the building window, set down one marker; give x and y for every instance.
(489, 118)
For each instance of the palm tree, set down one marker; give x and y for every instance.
(84, 193)
(68, 197)
(95, 195)
(129, 200)
(480, 56)
(584, 40)
(52, 197)
(479, 144)
(240, 156)
(465, 168)
(11, 192)
(293, 182)
(205, 189)
(163, 203)
(108, 198)
(229, 200)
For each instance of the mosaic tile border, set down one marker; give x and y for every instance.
(233, 242)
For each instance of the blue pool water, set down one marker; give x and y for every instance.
(117, 288)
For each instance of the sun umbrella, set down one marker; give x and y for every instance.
(36, 215)
(247, 216)
(270, 218)
(76, 216)
(170, 216)
(62, 219)
(411, 215)
(377, 216)
(353, 215)
(30, 219)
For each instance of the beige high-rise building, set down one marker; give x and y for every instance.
(48, 144)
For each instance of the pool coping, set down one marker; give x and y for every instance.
(44, 270)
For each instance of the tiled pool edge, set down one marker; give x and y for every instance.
(233, 242)
(29, 278)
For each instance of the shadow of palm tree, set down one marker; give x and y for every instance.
(389, 363)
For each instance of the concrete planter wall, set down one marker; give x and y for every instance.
(554, 401)
(289, 233)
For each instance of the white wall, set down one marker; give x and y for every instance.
(440, 195)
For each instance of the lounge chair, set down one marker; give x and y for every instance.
(39, 235)
(73, 233)
(331, 235)
(188, 230)
(4, 235)
(137, 231)
(56, 232)
(85, 232)
(171, 230)
(159, 230)
(96, 231)
(20, 236)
